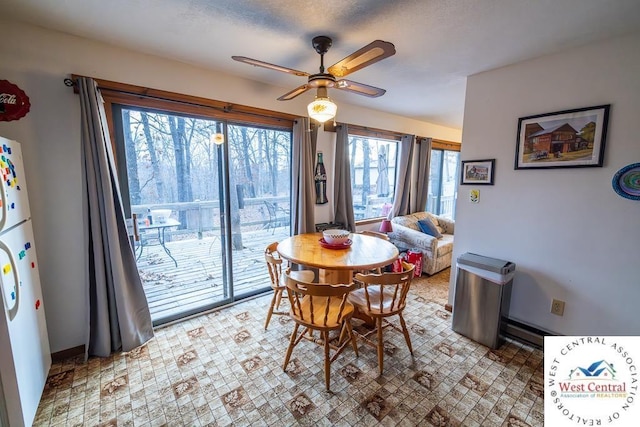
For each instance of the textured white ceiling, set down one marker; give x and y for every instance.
(438, 42)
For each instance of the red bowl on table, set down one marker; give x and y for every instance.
(343, 245)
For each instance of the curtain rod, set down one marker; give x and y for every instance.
(228, 108)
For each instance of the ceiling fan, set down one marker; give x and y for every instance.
(332, 78)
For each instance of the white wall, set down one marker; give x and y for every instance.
(571, 236)
(38, 60)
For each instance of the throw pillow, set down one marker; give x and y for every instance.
(429, 228)
(434, 220)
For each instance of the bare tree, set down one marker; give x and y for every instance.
(245, 144)
(366, 172)
(352, 164)
(177, 127)
(271, 157)
(153, 157)
(382, 183)
(178, 160)
(132, 159)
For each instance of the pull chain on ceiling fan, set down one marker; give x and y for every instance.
(322, 108)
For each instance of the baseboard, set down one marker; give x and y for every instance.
(59, 356)
(526, 333)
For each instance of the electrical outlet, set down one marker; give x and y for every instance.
(557, 307)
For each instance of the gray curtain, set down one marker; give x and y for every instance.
(119, 318)
(343, 199)
(403, 177)
(305, 137)
(421, 173)
(412, 176)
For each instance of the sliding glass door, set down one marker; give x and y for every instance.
(443, 182)
(208, 196)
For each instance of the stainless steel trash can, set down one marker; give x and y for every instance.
(482, 298)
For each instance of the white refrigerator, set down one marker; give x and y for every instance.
(25, 357)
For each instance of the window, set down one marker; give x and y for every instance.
(221, 173)
(373, 174)
(443, 179)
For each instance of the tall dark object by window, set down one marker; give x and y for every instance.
(321, 181)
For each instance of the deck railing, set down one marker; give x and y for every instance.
(190, 276)
(446, 208)
(200, 217)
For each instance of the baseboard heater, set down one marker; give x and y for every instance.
(526, 334)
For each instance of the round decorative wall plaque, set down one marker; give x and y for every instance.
(14, 103)
(626, 182)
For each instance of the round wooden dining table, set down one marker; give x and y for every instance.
(337, 265)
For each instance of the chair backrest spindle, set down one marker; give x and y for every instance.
(274, 264)
(390, 289)
(318, 298)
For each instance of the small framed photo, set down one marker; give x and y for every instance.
(564, 139)
(477, 172)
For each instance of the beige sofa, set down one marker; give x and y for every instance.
(436, 252)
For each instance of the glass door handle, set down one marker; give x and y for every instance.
(136, 232)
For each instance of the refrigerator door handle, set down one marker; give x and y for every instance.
(3, 198)
(12, 311)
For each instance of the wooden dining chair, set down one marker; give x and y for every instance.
(275, 267)
(380, 297)
(320, 307)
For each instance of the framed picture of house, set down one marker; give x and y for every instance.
(477, 172)
(564, 139)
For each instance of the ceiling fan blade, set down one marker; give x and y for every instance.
(359, 88)
(292, 94)
(370, 54)
(263, 64)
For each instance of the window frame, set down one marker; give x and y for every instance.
(119, 96)
(160, 100)
(441, 145)
(367, 132)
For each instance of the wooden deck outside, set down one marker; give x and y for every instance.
(197, 284)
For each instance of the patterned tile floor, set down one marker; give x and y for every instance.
(223, 369)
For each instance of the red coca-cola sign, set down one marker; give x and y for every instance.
(14, 103)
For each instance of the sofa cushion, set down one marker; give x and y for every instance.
(445, 245)
(428, 227)
(408, 221)
(426, 215)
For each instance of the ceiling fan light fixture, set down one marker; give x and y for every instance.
(322, 109)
